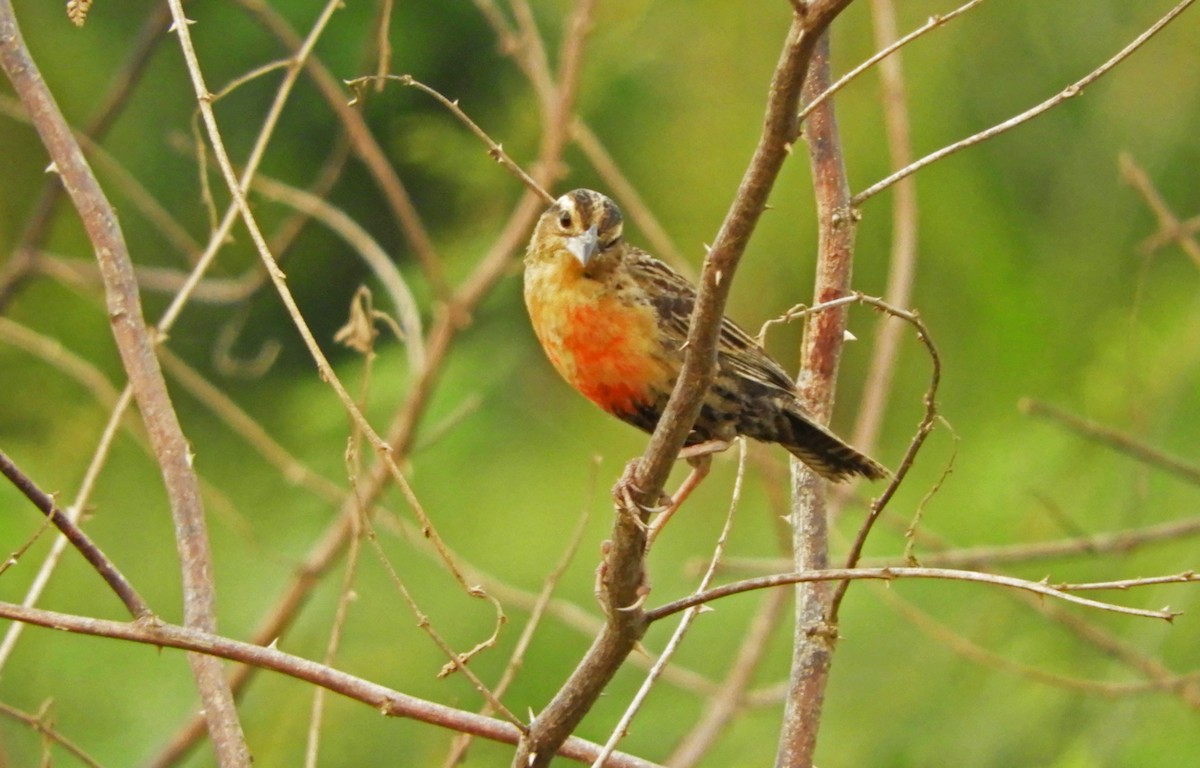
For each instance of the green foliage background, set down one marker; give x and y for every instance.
(1030, 279)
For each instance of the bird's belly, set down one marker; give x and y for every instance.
(608, 350)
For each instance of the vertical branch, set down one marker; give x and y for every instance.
(814, 637)
(136, 347)
(903, 258)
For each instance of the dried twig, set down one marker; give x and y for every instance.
(40, 724)
(887, 50)
(1115, 439)
(138, 608)
(1170, 228)
(887, 574)
(537, 612)
(902, 261)
(1069, 92)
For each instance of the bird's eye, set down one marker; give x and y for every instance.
(564, 219)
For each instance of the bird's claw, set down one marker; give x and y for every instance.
(626, 491)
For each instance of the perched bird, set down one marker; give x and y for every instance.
(613, 321)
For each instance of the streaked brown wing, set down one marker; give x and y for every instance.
(674, 298)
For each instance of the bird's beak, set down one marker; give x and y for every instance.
(583, 246)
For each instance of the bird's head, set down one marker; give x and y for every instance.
(582, 225)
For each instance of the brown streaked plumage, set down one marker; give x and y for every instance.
(613, 321)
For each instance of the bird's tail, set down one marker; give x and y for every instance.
(826, 453)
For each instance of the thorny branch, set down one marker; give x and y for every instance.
(384, 700)
(136, 348)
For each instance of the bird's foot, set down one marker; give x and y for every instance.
(626, 494)
(701, 463)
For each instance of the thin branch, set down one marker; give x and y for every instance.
(886, 51)
(724, 704)
(1069, 92)
(889, 574)
(371, 252)
(1114, 439)
(1123, 541)
(458, 750)
(364, 144)
(349, 574)
(494, 149)
(458, 662)
(40, 724)
(814, 628)
(138, 608)
(902, 261)
(1186, 577)
(1170, 228)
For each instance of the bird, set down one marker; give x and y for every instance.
(613, 320)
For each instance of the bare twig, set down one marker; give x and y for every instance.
(40, 724)
(928, 421)
(902, 262)
(365, 246)
(1170, 228)
(1121, 541)
(1069, 92)
(362, 142)
(886, 51)
(725, 703)
(458, 749)
(1115, 439)
(494, 149)
(1186, 577)
(887, 574)
(138, 608)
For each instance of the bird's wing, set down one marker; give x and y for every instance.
(674, 298)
